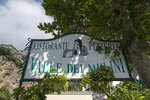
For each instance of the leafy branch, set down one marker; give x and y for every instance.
(51, 83)
(100, 81)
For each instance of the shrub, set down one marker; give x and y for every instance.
(10, 56)
(4, 93)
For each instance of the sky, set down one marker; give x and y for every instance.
(19, 20)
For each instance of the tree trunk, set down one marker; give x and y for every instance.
(140, 61)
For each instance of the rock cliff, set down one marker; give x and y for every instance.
(11, 64)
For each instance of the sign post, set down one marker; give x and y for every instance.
(75, 54)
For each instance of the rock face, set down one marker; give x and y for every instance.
(10, 74)
(21, 54)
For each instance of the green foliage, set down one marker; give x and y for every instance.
(99, 80)
(109, 19)
(50, 84)
(10, 56)
(15, 60)
(116, 53)
(4, 93)
(131, 67)
(99, 49)
(128, 90)
(108, 50)
(74, 85)
(53, 70)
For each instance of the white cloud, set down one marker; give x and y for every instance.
(19, 20)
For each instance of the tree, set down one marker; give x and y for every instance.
(124, 20)
(51, 83)
(100, 81)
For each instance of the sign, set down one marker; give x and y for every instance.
(74, 54)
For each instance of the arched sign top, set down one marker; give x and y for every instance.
(51, 39)
(75, 54)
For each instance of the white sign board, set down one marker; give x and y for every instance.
(75, 54)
